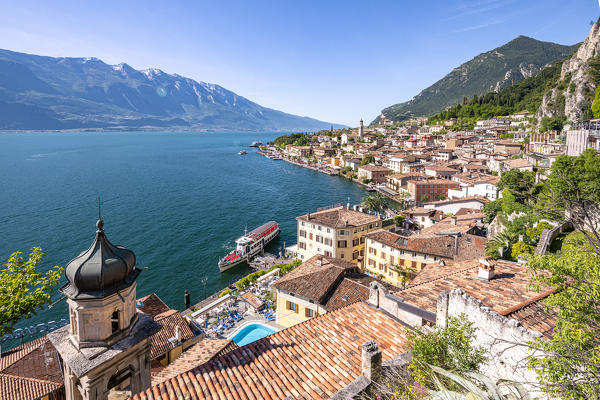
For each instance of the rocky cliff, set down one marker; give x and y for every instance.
(573, 95)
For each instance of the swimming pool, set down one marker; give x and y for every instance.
(251, 333)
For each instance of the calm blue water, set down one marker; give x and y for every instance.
(251, 333)
(178, 200)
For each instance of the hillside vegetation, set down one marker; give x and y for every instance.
(492, 71)
(525, 95)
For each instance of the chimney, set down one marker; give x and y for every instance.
(486, 269)
(371, 360)
(453, 220)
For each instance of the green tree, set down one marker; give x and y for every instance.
(572, 194)
(519, 183)
(368, 159)
(449, 347)
(572, 368)
(596, 104)
(23, 289)
(375, 202)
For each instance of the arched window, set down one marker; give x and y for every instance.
(115, 321)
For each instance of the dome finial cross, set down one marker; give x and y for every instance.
(100, 223)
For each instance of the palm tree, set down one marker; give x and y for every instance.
(374, 202)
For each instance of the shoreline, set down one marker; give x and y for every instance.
(366, 187)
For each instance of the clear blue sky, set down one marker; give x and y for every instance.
(333, 60)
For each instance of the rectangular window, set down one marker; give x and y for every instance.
(303, 233)
(308, 313)
(328, 230)
(371, 262)
(291, 306)
(320, 227)
(342, 244)
(327, 253)
(310, 236)
(355, 242)
(355, 255)
(302, 245)
(383, 255)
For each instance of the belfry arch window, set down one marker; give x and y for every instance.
(115, 321)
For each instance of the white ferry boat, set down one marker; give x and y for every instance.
(256, 144)
(249, 245)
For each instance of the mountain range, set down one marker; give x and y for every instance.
(520, 58)
(47, 93)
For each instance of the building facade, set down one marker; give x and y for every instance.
(336, 232)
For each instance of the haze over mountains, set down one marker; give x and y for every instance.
(520, 58)
(47, 93)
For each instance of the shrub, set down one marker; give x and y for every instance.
(399, 219)
(224, 293)
(366, 180)
(535, 233)
(449, 347)
(521, 249)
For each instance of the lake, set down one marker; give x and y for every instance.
(178, 200)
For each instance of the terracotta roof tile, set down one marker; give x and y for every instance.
(152, 305)
(198, 354)
(169, 321)
(337, 217)
(353, 288)
(315, 277)
(30, 371)
(509, 287)
(311, 360)
(469, 246)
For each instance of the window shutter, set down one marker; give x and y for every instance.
(287, 304)
(295, 307)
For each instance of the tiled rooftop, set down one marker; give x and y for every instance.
(30, 371)
(353, 288)
(169, 321)
(198, 354)
(152, 305)
(509, 287)
(310, 360)
(535, 315)
(469, 246)
(314, 278)
(338, 216)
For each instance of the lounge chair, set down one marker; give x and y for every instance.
(271, 318)
(269, 313)
(216, 329)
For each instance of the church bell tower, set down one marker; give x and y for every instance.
(106, 346)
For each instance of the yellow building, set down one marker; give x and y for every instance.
(396, 259)
(317, 286)
(336, 232)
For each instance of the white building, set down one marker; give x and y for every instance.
(484, 188)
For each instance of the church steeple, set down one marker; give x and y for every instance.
(107, 343)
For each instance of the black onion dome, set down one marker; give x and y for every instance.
(101, 270)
